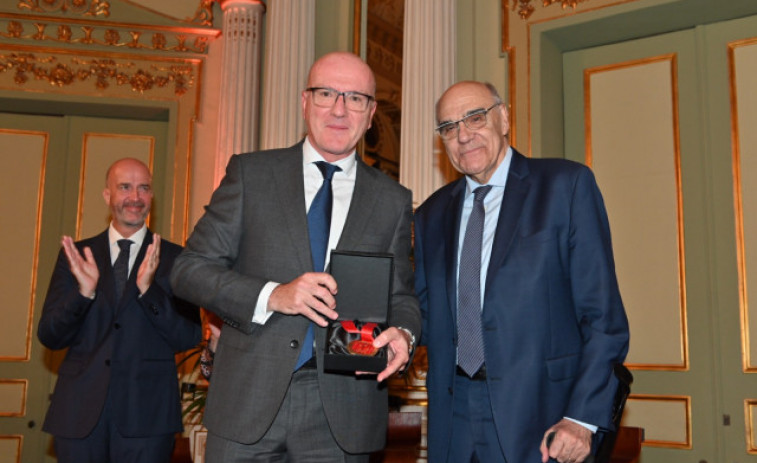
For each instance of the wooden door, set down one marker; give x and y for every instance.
(653, 117)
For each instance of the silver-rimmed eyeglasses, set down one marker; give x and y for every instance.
(474, 121)
(326, 97)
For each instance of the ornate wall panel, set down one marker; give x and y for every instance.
(10, 449)
(20, 190)
(743, 67)
(13, 397)
(750, 415)
(642, 192)
(666, 419)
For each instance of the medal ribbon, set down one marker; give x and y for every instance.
(366, 331)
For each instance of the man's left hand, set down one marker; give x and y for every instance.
(398, 351)
(146, 272)
(571, 443)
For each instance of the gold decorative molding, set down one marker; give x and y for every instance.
(749, 364)
(526, 9)
(103, 72)
(204, 14)
(185, 40)
(750, 413)
(682, 400)
(82, 7)
(672, 59)
(21, 409)
(19, 439)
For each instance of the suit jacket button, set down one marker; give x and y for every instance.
(107, 362)
(154, 309)
(294, 344)
(117, 326)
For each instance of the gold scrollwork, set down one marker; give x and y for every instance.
(204, 14)
(64, 33)
(15, 29)
(102, 71)
(83, 7)
(112, 37)
(526, 9)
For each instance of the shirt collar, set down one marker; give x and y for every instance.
(137, 238)
(499, 177)
(310, 155)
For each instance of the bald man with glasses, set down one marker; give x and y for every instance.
(521, 310)
(256, 260)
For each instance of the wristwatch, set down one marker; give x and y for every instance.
(411, 347)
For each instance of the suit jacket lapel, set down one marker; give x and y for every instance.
(451, 227)
(101, 251)
(514, 198)
(289, 185)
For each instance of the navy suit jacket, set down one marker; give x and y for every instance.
(553, 320)
(128, 349)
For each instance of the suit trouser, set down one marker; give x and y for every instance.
(105, 444)
(299, 433)
(474, 436)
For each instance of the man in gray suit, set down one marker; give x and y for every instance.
(250, 261)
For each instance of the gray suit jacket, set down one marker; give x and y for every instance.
(255, 231)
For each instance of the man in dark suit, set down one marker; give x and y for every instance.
(111, 305)
(253, 260)
(521, 310)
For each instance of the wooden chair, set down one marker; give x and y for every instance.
(627, 445)
(403, 439)
(181, 453)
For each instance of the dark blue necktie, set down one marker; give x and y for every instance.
(470, 342)
(121, 267)
(319, 225)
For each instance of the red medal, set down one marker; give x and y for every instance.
(364, 345)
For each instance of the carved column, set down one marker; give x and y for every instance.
(428, 68)
(290, 50)
(239, 107)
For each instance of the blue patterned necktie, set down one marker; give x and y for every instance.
(470, 343)
(319, 225)
(121, 267)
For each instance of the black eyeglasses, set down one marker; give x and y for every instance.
(473, 121)
(326, 97)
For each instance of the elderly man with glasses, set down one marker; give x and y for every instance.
(257, 259)
(521, 310)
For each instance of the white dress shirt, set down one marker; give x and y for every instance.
(492, 206)
(136, 243)
(342, 186)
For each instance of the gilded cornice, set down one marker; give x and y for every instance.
(38, 29)
(525, 8)
(62, 70)
(83, 7)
